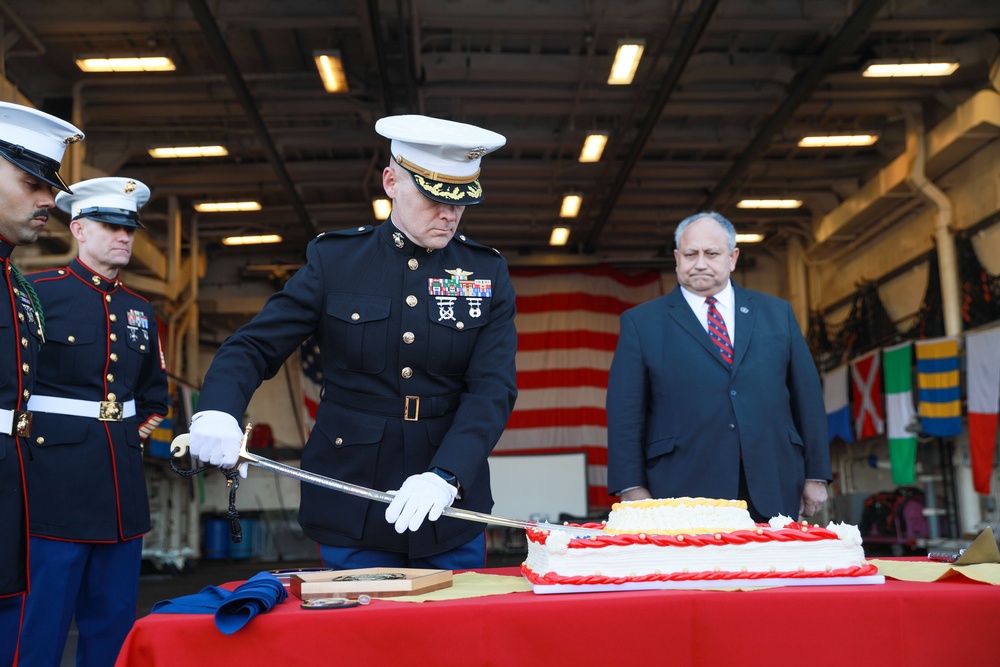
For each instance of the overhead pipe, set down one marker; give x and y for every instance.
(853, 28)
(677, 64)
(225, 57)
(951, 293)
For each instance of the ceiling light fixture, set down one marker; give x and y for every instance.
(560, 235)
(770, 203)
(570, 206)
(749, 238)
(626, 61)
(226, 206)
(331, 70)
(838, 140)
(126, 64)
(163, 152)
(251, 239)
(901, 68)
(382, 208)
(593, 147)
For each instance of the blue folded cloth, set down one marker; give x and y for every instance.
(232, 609)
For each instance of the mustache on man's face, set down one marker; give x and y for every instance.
(42, 213)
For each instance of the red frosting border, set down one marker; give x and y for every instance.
(792, 532)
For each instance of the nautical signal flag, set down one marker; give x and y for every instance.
(900, 415)
(940, 404)
(983, 376)
(838, 411)
(866, 391)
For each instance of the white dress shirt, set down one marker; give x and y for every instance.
(726, 303)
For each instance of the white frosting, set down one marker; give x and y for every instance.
(640, 559)
(688, 516)
(779, 521)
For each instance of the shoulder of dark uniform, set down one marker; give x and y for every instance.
(47, 274)
(466, 241)
(353, 232)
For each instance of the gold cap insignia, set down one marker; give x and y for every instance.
(72, 140)
(130, 187)
(476, 153)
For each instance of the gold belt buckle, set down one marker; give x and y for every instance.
(111, 411)
(22, 423)
(416, 409)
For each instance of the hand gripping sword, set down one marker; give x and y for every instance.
(179, 447)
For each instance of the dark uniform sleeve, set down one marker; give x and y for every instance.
(808, 409)
(258, 349)
(490, 391)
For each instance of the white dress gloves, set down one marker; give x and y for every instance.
(215, 439)
(420, 496)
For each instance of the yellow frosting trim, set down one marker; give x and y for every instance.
(679, 502)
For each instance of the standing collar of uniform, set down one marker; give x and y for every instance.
(6, 247)
(400, 241)
(91, 277)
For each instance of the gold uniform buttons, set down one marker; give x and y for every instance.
(107, 297)
(355, 317)
(26, 394)
(20, 316)
(413, 264)
(113, 317)
(112, 396)
(459, 325)
(24, 343)
(72, 339)
(408, 337)
(411, 301)
(338, 442)
(407, 373)
(114, 338)
(142, 347)
(111, 377)
(40, 440)
(114, 356)
(25, 368)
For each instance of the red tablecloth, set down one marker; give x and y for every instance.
(950, 622)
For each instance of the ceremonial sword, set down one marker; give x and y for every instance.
(179, 447)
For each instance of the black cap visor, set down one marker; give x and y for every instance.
(457, 194)
(111, 216)
(37, 165)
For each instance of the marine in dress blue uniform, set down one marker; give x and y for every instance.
(101, 389)
(417, 351)
(32, 144)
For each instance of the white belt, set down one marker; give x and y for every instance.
(103, 410)
(15, 422)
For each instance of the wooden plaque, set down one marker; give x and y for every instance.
(309, 585)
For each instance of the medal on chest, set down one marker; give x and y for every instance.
(448, 291)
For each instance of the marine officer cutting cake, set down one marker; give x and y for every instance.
(32, 145)
(415, 328)
(100, 390)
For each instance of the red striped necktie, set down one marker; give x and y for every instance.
(717, 331)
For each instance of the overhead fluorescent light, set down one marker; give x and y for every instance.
(593, 147)
(251, 239)
(188, 151)
(382, 208)
(770, 203)
(226, 206)
(899, 68)
(331, 71)
(570, 206)
(560, 235)
(749, 238)
(126, 64)
(626, 62)
(838, 140)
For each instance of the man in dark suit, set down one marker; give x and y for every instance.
(713, 392)
(415, 326)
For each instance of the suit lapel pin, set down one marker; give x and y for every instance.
(744, 310)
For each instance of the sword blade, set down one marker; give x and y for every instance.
(180, 444)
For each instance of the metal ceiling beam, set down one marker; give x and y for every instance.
(232, 71)
(684, 52)
(800, 89)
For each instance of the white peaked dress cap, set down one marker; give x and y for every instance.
(442, 156)
(113, 200)
(36, 141)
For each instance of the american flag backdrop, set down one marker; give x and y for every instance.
(312, 382)
(567, 328)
